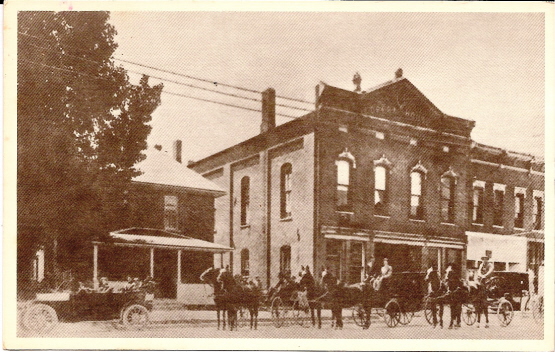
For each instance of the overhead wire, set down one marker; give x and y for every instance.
(183, 75)
(163, 91)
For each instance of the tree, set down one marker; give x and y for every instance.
(82, 126)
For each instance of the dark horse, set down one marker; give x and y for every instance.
(210, 276)
(315, 295)
(338, 297)
(237, 294)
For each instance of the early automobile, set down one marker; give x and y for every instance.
(129, 307)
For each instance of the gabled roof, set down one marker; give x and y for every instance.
(159, 168)
(155, 238)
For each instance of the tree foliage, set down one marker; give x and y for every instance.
(82, 126)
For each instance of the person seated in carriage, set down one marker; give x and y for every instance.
(382, 280)
(104, 285)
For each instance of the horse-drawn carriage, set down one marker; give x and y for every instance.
(131, 308)
(396, 302)
(501, 294)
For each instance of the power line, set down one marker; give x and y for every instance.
(208, 81)
(222, 103)
(163, 91)
(180, 83)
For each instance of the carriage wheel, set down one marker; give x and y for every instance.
(136, 315)
(279, 312)
(392, 314)
(468, 314)
(537, 311)
(301, 314)
(359, 315)
(406, 317)
(428, 310)
(505, 313)
(243, 317)
(40, 318)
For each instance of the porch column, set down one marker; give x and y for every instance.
(152, 262)
(95, 266)
(178, 267)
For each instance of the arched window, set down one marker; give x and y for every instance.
(343, 184)
(245, 195)
(416, 206)
(380, 190)
(285, 259)
(286, 171)
(448, 199)
(245, 262)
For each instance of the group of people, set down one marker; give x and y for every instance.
(450, 288)
(133, 284)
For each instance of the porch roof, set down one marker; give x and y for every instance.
(156, 238)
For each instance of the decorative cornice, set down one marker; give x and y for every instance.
(419, 168)
(346, 155)
(450, 173)
(383, 161)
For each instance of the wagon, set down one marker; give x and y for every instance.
(504, 296)
(130, 308)
(396, 303)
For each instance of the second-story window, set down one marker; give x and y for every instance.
(538, 212)
(448, 199)
(498, 204)
(171, 213)
(286, 171)
(343, 184)
(478, 203)
(416, 208)
(519, 209)
(245, 200)
(380, 190)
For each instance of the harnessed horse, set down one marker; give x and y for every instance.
(210, 276)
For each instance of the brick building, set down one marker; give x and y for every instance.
(379, 173)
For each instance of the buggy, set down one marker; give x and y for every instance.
(397, 302)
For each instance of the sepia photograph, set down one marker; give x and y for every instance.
(214, 174)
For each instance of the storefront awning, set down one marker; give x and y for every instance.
(155, 238)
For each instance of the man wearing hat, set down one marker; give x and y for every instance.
(485, 269)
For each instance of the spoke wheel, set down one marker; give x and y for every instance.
(505, 313)
(279, 312)
(468, 314)
(428, 311)
(537, 311)
(301, 314)
(136, 316)
(359, 315)
(392, 314)
(243, 317)
(406, 317)
(40, 318)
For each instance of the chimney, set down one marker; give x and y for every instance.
(268, 110)
(399, 74)
(177, 150)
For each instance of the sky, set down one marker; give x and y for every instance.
(486, 67)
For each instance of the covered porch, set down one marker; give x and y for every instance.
(174, 261)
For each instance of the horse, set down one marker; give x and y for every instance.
(479, 297)
(437, 293)
(236, 294)
(314, 294)
(338, 297)
(455, 295)
(210, 276)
